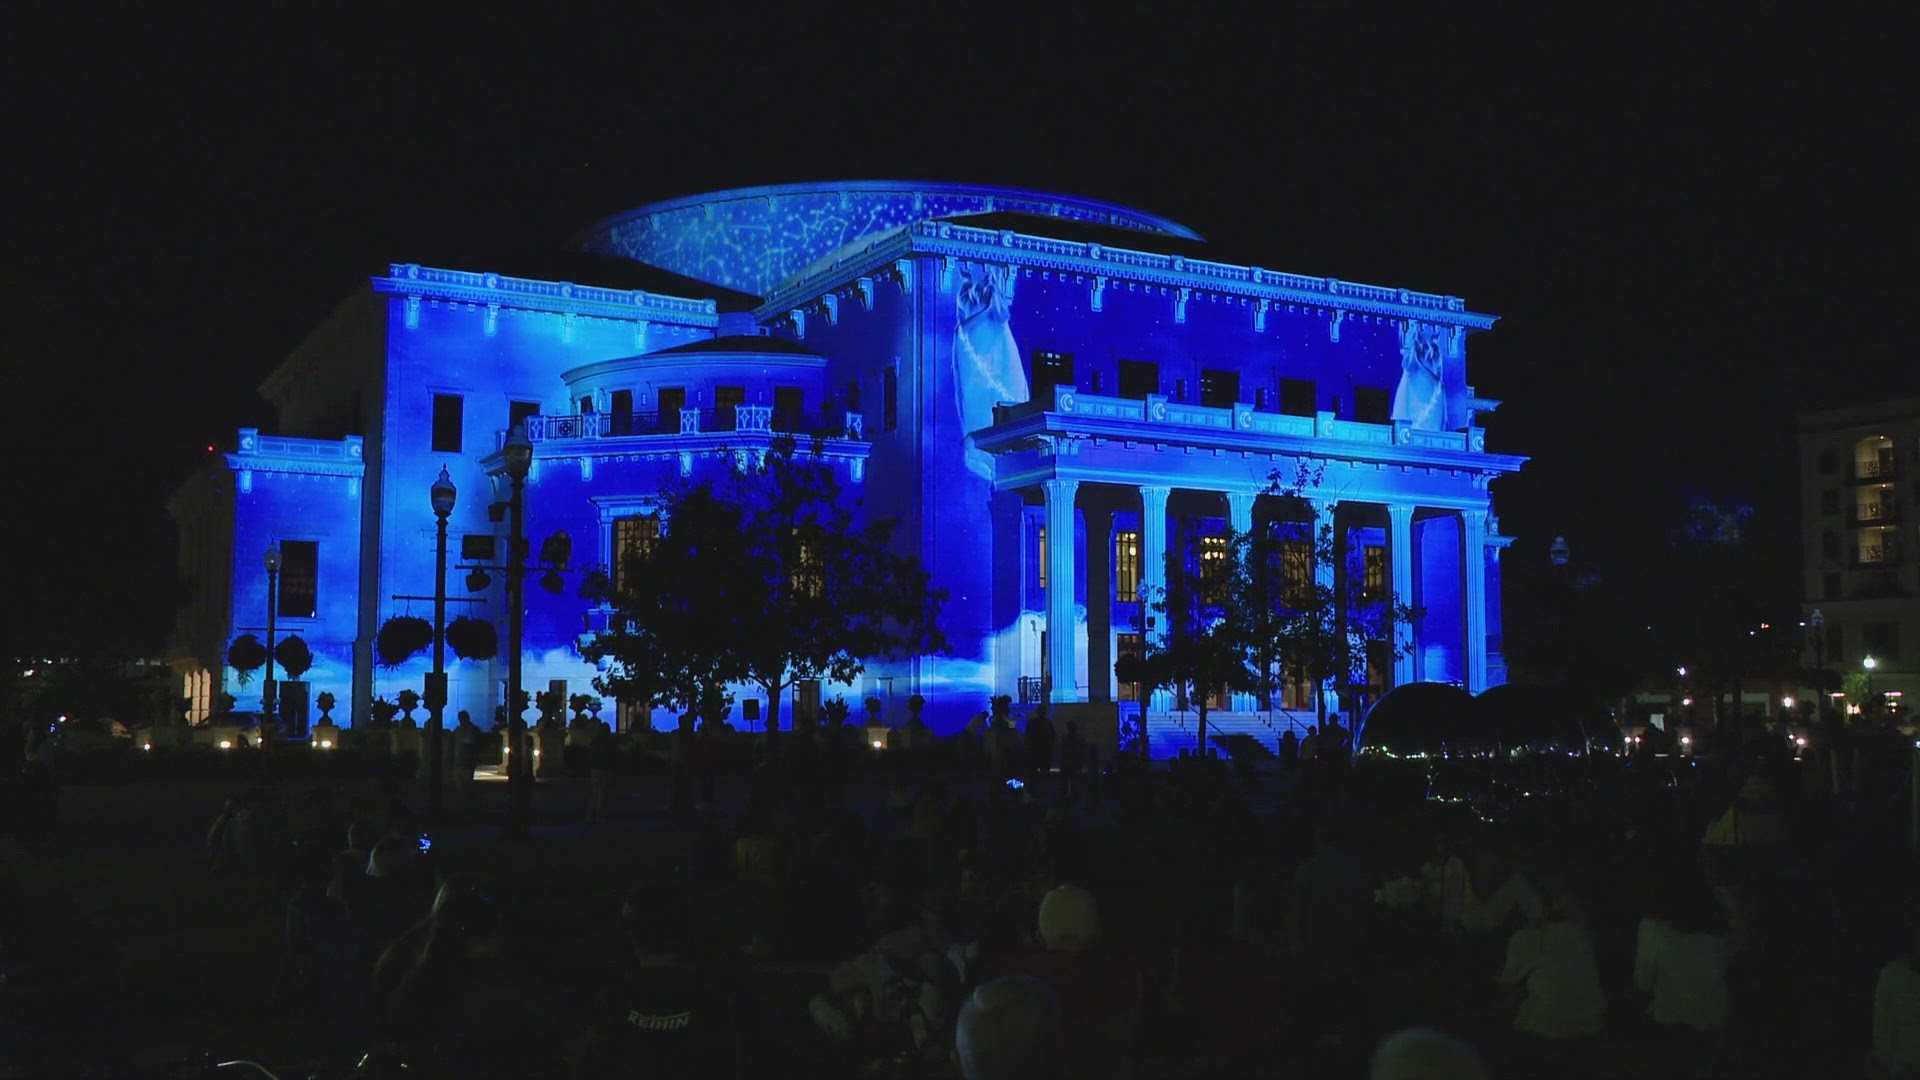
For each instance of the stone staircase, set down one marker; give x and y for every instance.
(1170, 733)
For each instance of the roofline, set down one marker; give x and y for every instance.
(932, 187)
(1104, 263)
(1894, 410)
(465, 286)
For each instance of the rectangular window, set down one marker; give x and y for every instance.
(1836, 644)
(1050, 369)
(789, 404)
(519, 411)
(1827, 461)
(1042, 548)
(1830, 586)
(1213, 569)
(672, 400)
(1297, 397)
(633, 539)
(1296, 572)
(1830, 545)
(1219, 389)
(299, 579)
(1125, 646)
(586, 406)
(1372, 405)
(1126, 566)
(1138, 378)
(1829, 502)
(808, 576)
(620, 404)
(1880, 640)
(890, 398)
(725, 400)
(1374, 580)
(448, 415)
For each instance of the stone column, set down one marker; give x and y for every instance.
(1099, 602)
(1062, 658)
(1400, 545)
(1240, 517)
(1153, 573)
(1473, 552)
(1325, 571)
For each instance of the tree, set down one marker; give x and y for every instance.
(764, 575)
(1200, 648)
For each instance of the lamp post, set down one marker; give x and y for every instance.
(1868, 664)
(517, 453)
(441, 494)
(267, 689)
(1818, 621)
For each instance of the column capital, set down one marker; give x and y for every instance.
(1056, 488)
(1400, 512)
(1322, 506)
(1155, 495)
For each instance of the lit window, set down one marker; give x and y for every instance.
(1126, 566)
(808, 576)
(1042, 547)
(1213, 568)
(1296, 571)
(1374, 580)
(633, 540)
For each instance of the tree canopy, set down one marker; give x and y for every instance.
(763, 575)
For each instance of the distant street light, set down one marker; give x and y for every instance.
(1787, 702)
(1682, 670)
(267, 689)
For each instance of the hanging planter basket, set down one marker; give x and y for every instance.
(473, 639)
(246, 655)
(294, 656)
(402, 637)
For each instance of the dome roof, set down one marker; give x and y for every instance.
(1424, 718)
(753, 239)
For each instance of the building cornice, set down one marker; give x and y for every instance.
(302, 457)
(484, 289)
(1109, 264)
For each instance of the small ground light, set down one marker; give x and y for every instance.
(226, 744)
(326, 744)
(146, 746)
(878, 745)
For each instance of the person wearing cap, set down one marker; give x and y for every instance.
(1100, 991)
(1009, 1029)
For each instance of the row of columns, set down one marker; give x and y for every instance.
(1062, 576)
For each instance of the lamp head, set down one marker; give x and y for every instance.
(442, 494)
(273, 559)
(1818, 618)
(1869, 663)
(518, 451)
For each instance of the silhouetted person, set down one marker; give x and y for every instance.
(1289, 748)
(1073, 751)
(1009, 1029)
(1426, 1054)
(600, 762)
(1039, 741)
(664, 1016)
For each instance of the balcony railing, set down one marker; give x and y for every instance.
(692, 421)
(1885, 512)
(1885, 554)
(1880, 469)
(1158, 410)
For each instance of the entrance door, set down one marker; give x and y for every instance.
(293, 708)
(672, 400)
(621, 405)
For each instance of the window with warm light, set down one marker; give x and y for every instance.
(1374, 572)
(633, 538)
(1213, 568)
(1296, 572)
(808, 576)
(1126, 566)
(1041, 546)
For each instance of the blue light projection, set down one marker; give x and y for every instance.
(974, 385)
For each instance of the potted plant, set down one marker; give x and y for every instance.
(472, 639)
(873, 707)
(325, 703)
(326, 736)
(835, 710)
(245, 656)
(408, 701)
(401, 638)
(383, 712)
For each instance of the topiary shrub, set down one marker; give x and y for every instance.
(246, 655)
(294, 656)
(402, 637)
(473, 639)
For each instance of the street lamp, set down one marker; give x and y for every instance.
(1869, 663)
(517, 454)
(267, 689)
(441, 494)
(1818, 621)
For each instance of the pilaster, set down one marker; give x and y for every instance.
(1473, 552)
(1400, 547)
(1153, 571)
(1062, 657)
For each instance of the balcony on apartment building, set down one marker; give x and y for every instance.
(761, 419)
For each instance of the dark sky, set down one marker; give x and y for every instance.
(1690, 227)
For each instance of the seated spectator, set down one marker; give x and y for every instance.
(1515, 901)
(1010, 1029)
(465, 1000)
(1552, 974)
(350, 866)
(1426, 1054)
(1896, 1016)
(1100, 991)
(1754, 820)
(1680, 959)
(664, 1016)
(1448, 884)
(896, 996)
(390, 897)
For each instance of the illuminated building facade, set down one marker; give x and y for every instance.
(1046, 391)
(1860, 544)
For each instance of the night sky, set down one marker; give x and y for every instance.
(1689, 228)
